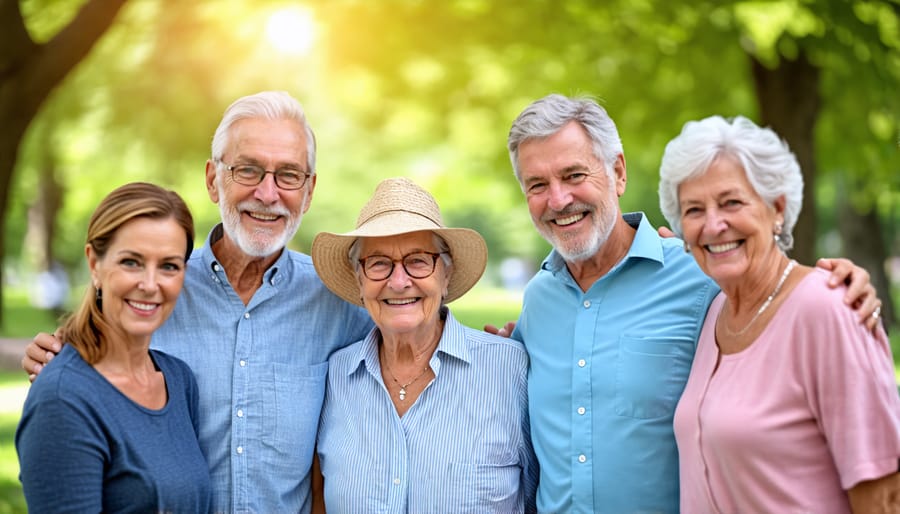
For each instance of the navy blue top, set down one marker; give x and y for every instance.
(84, 446)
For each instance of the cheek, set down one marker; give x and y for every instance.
(536, 207)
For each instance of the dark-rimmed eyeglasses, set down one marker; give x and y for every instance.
(252, 175)
(416, 265)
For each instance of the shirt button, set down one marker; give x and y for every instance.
(581, 410)
(240, 413)
(246, 315)
(582, 458)
(216, 267)
(587, 303)
(581, 363)
(240, 450)
(396, 481)
(243, 363)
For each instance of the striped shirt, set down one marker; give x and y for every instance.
(464, 446)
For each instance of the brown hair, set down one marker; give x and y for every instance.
(86, 329)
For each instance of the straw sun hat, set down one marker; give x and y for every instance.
(398, 206)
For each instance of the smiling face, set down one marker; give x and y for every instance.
(729, 226)
(140, 275)
(402, 305)
(261, 219)
(572, 199)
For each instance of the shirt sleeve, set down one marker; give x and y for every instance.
(853, 389)
(61, 456)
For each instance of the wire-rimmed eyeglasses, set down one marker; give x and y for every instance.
(251, 175)
(416, 265)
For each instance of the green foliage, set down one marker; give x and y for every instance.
(428, 90)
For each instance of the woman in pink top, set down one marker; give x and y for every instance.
(791, 404)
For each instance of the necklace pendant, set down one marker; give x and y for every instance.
(402, 394)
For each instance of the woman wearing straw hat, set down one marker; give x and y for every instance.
(424, 414)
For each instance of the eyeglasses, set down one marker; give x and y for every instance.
(251, 175)
(416, 265)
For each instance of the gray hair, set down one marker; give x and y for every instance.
(771, 167)
(547, 116)
(269, 105)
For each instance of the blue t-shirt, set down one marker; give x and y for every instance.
(261, 372)
(607, 369)
(85, 447)
(462, 447)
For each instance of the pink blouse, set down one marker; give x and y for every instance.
(787, 425)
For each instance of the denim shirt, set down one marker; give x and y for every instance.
(261, 372)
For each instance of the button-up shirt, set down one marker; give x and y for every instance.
(462, 447)
(261, 371)
(607, 368)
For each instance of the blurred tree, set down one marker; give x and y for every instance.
(30, 71)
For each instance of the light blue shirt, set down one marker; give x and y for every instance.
(462, 447)
(607, 369)
(261, 372)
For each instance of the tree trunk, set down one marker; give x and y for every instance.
(789, 103)
(863, 244)
(29, 72)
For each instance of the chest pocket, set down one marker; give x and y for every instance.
(650, 375)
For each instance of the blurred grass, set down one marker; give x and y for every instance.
(11, 387)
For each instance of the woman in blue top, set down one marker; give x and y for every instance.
(110, 425)
(424, 414)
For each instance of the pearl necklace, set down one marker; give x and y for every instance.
(765, 305)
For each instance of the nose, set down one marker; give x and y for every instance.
(267, 191)
(149, 282)
(398, 279)
(558, 196)
(715, 223)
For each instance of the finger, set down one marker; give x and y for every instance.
(825, 264)
(859, 286)
(491, 329)
(31, 377)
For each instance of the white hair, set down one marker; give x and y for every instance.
(771, 167)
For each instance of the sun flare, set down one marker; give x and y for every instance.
(292, 30)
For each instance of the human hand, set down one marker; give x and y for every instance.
(506, 331)
(665, 232)
(861, 295)
(39, 352)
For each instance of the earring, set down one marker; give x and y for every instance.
(98, 298)
(778, 227)
(99, 294)
(687, 247)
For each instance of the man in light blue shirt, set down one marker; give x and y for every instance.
(610, 321)
(254, 322)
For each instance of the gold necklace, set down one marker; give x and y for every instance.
(402, 393)
(765, 305)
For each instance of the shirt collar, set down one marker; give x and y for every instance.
(646, 244)
(208, 258)
(452, 344)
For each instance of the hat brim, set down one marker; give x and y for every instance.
(330, 254)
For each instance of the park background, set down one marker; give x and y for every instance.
(97, 93)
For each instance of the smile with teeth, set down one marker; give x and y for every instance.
(400, 301)
(261, 216)
(569, 219)
(724, 247)
(141, 306)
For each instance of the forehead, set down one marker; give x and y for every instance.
(399, 244)
(725, 174)
(150, 236)
(262, 138)
(568, 148)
